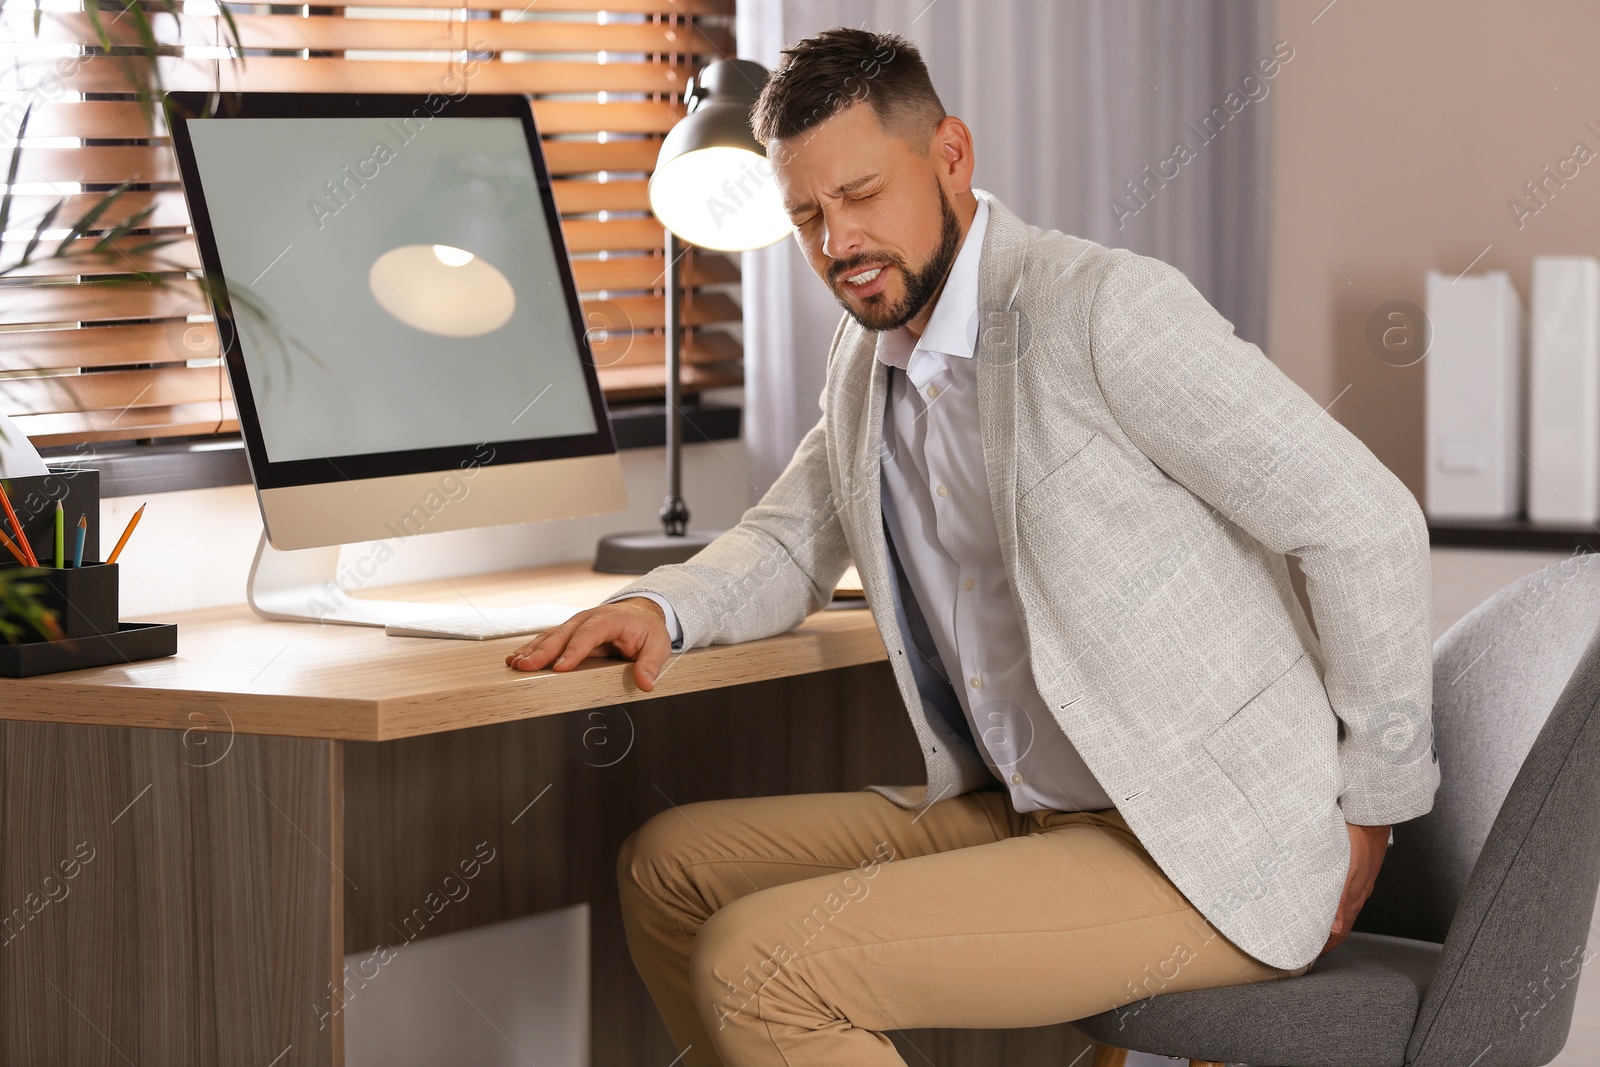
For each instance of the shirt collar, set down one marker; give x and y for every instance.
(953, 327)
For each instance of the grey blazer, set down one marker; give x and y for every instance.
(1148, 471)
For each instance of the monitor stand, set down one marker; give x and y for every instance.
(303, 585)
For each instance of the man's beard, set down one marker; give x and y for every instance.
(920, 285)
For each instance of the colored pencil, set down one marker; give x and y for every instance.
(11, 546)
(77, 551)
(61, 537)
(16, 527)
(125, 534)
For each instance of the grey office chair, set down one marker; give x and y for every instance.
(1468, 951)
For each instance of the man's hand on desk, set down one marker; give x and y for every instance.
(634, 628)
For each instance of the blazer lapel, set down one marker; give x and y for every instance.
(999, 328)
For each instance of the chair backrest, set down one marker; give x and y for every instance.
(1508, 973)
(1496, 674)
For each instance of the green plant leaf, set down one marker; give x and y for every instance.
(38, 231)
(16, 164)
(21, 610)
(90, 217)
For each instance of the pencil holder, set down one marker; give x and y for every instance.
(34, 500)
(84, 599)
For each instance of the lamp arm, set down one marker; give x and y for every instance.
(674, 511)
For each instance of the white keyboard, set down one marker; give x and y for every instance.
(486, 623)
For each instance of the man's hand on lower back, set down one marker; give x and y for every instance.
(1368, 844)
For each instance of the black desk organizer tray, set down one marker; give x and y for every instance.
(83, 599)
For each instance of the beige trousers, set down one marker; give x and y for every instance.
(792, 931)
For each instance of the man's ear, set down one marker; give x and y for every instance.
(951, 147)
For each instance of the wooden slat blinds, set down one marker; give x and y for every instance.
(87, 357)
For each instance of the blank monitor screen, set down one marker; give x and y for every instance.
(415, 270)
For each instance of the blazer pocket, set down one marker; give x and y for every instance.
(1061, 469)
(1281, 751)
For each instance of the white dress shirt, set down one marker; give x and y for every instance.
(936, 505)
(944, 547)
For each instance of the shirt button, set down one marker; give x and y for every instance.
(967, 584)
(1016, 779)
(977, 683)
(939, 489)
(933, 391)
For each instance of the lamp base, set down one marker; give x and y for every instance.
(636, 553)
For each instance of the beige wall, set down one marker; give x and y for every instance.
(1401, 131)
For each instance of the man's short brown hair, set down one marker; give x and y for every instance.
(822, 75)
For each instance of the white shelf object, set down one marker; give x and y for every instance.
(1475, 379)
(1564, 391)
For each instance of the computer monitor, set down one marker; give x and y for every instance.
(399, 322)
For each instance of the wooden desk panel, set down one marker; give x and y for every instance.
(238, 673)
(166, 904)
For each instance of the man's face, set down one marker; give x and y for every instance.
(870, 213)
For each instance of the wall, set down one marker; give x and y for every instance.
(505, 995)
(1400, 133)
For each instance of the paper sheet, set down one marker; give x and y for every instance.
(18, 457)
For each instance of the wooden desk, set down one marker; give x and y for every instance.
(355, 683)
(193, 845)
(231, 831)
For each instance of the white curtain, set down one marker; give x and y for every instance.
(1068, 100)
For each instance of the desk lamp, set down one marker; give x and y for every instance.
(712, 188)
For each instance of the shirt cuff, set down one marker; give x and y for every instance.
(673, 627)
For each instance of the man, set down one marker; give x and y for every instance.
(1068, 489)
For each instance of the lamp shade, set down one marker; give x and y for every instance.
(439, 269)
(713, 185)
